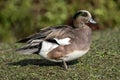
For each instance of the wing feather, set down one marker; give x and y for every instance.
(56, 35)
(46, 33)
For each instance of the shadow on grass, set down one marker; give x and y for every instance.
(40, 62)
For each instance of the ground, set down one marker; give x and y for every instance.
(102, 62)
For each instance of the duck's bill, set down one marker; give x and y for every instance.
(92, 21)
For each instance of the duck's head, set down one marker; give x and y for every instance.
(82, 17)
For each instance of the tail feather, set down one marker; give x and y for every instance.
(28, 49)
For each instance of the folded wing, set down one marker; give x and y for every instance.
(56, 35)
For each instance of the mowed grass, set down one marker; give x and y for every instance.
(102, 62)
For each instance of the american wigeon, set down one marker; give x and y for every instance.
(61, 43)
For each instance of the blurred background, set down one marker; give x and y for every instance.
(20, 18)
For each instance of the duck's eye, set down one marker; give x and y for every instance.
(84, 14)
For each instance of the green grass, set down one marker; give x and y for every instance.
(102, 62)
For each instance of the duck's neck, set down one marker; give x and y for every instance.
(79, 25)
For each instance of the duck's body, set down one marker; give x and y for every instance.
(61, 43)
(69, 50)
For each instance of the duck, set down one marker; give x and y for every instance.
(62, 43)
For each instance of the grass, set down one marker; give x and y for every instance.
(102, 62)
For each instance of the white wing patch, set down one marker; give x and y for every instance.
(65, 41)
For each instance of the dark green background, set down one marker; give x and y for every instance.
(20, 18)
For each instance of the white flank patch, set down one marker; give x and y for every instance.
(46, 48)
(64, 41)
